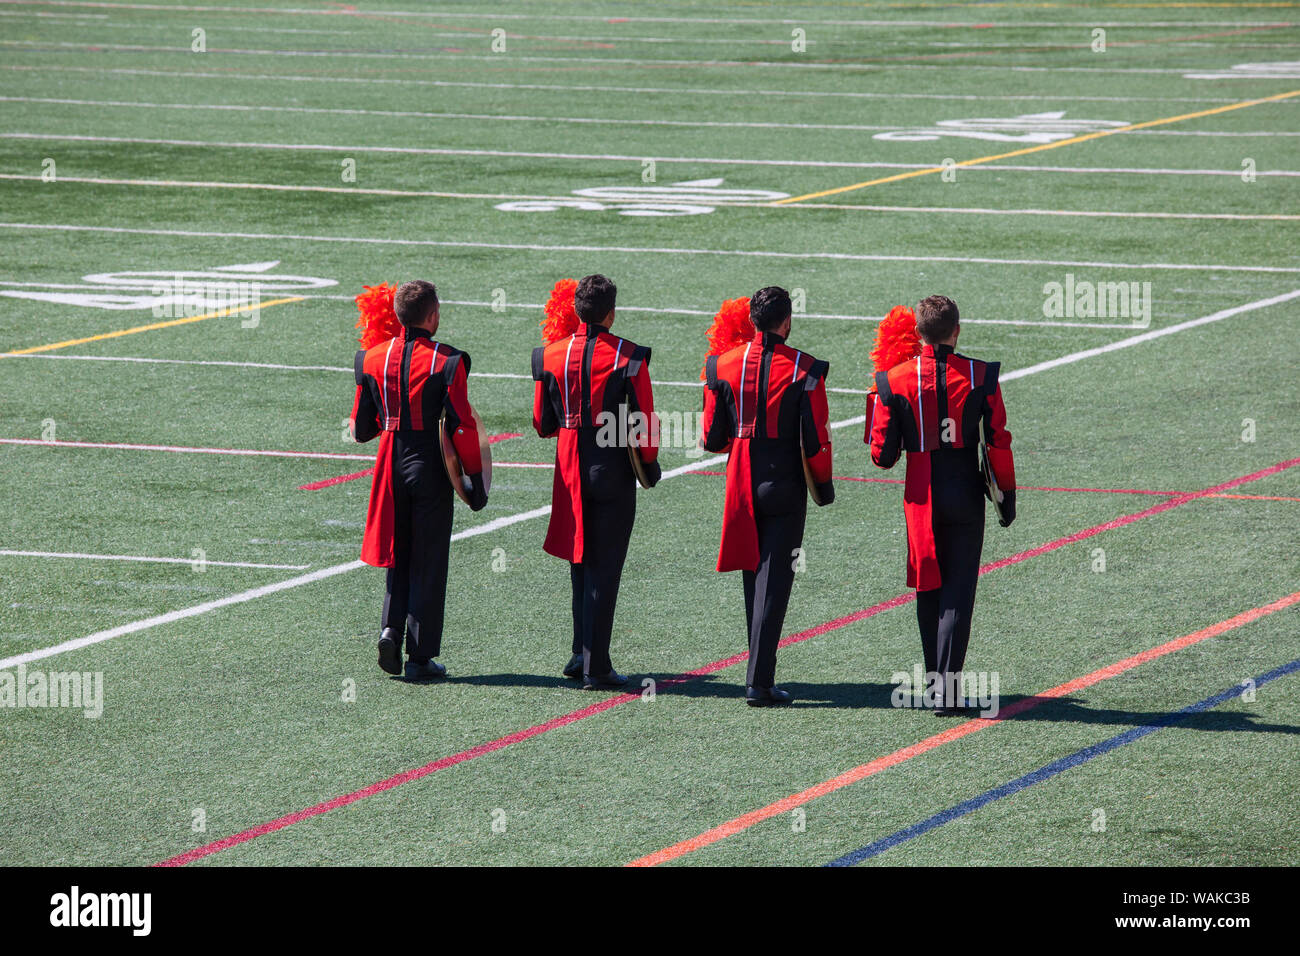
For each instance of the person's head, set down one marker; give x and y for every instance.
(416, 305)
(937, 320)
(770, 310)
(594, 300)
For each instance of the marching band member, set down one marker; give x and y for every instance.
(588, 382)
(934, 405)
(765, 405)
(406, 382)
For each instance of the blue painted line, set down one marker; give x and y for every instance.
(1054, 768)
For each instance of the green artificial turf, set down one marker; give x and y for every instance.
(246, 713)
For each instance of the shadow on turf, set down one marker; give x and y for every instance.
(1073, 710)
(857, 696)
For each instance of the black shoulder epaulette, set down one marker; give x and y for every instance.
(539, 362)
(991, 370)
(359, 366)
(711, 371)
(816, 373)
(640, 355)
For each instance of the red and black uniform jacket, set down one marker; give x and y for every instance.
(765, 404)
(932, 407)
(593, 392)
(404, 386)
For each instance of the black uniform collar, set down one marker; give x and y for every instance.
(414, 333)
(769, 339)
(932, 350)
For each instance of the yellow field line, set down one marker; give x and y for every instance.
(1038, 149)
(252, 307)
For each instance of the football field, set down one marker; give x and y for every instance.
(192, 193)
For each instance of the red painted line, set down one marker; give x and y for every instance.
(786, 804)
(325, 483)
(491, 746)
(493, 439)
(1095, 491)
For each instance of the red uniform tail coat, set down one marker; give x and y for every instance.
(937, 400)
(586, 381)
(406, 384)
(767, 400)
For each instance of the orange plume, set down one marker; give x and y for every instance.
(896, 339)
(731, 326)
(561, 318)
(378, 322)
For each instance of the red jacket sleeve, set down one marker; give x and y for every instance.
(365, 415)
(644, 399)
(817, 440)
(715, 434)
(886, 433)
(998, 440)
(465, 436)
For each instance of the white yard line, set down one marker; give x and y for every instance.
(597, 61)
(525, 306)
(524, 118)
(1149, 336)
(645, 250)
(719, 203)
(509, 153)
(636, 90)
(148, 560)
(606, 18)
(498, 523)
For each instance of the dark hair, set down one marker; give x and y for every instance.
(594, 298)
(414, 301)
(936, 318)
(769, 307)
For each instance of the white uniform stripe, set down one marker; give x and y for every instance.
(383, 389)
(740, 410)
(567, 353)
(920, 402)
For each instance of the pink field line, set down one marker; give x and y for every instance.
(279, 823)
(132, 446)
(1095, 491)
(340, 479)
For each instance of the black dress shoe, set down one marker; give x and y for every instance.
(424, 670)
(961, 711)
(611, 681)
(573, 669)
(767, 696)
(390, 651)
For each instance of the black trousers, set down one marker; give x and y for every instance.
(606, 529)
(416, 587)
(779, 513)
(944, 613)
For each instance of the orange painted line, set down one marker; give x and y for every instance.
(1083, 138)
(219, 313)
(786, 804)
